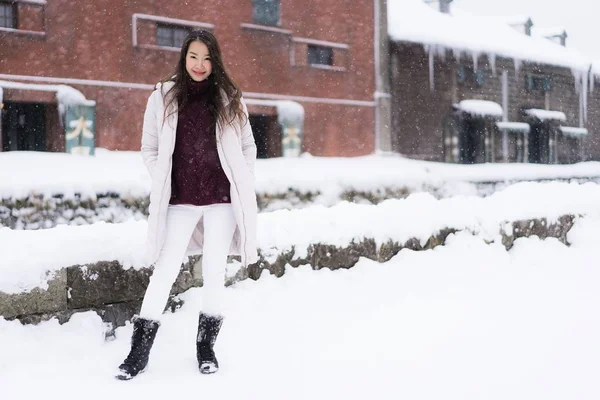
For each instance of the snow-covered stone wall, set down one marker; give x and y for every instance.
(62, 270)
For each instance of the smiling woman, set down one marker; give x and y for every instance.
(198, 147)
(197, 61)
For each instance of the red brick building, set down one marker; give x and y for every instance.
(317, 53)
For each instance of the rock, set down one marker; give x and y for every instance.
(38, 300)
(106, 282)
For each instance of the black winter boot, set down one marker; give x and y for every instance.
(144, 332)
(208, 329)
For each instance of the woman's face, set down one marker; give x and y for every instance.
(197, 61)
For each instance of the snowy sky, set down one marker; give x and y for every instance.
(578, 17)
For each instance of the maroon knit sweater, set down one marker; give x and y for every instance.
(197, 177)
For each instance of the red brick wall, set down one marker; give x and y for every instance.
(93, 40)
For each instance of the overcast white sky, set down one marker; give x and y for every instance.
(578, 17)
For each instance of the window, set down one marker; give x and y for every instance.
(469, 76)
(265, 11)
(538, 83)
(171, 35)
(320, 55)
(7, 15)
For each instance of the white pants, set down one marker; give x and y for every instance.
(219, 227)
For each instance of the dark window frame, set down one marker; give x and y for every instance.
(175, 37)
(540, 83)
(319, 55)
(468, 75)
(4, 19)
(266, 12)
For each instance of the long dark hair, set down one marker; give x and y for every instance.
(221, 85)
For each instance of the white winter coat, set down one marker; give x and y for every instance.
(237, 153)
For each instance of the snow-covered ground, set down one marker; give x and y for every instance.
(23, 173)
(467, 320)
(463, 321)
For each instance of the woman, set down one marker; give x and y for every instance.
(198, 147)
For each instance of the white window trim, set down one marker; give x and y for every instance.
(34, 2)
(23, 32)
(322, 43)
(166, 20)
(145, 86)
(265, 28)
(328, 67)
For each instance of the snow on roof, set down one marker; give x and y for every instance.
(514, 20)
(514, 126)
(573, 131)
(544, 115)
(64, 94)
(480, 107)
(414, 21)
(287, 110)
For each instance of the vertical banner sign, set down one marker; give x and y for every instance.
(80, 129)
(292, 140)
(290, 116)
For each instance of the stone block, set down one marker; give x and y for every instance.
(38, 300)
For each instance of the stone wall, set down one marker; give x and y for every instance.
(115, 293)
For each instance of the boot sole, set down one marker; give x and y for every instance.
(124, 376)
(211, 369)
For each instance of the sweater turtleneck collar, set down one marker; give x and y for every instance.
(197, 89)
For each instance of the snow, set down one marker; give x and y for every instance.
(574, 131)
(48, 174)
(287, 111)
(465, 321)
(416, 22)
(547, 32)
(123, 173)
(544, 115)
(481, 107)
(33, 253)
(514, 126)
(66, 95)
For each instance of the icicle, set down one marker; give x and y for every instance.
(441, 51)
(592, 78)
(584, 81)
(492, 58)
(517, 65)
(475, 60)
(577, 79)
(431, 72)
(457, 54)
(581, 87)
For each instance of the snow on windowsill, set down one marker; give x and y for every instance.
(22, 32)
(521, 127)
(573, 131)
(544, 115)
(265, 28)
(328, 67)
(480, 107)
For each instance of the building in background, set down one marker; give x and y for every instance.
(479, 89)
(69, 70)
